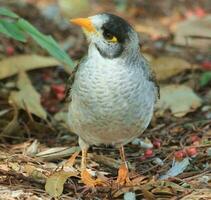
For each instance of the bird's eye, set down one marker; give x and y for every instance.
(109, 37)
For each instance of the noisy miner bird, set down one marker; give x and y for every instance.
(112, 90)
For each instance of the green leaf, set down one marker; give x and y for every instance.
(205, 78)
(12, 30)
(7, 13)
(4, 31)
(46, 42)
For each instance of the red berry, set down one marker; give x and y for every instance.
(59, 91)
(10, 50)
(60, 96)
(179, 155)
(58, 88)
(195, 138)
(206, 65)
(200, 12)
(192, 151)
(156, 143)
(148, 153)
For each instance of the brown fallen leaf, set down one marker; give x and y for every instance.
(27, 98)
(123, 190)
(180, 99)
(199, 30)
(34, 172)
(148, 195)
(32, 149)
(198, 194)
(163, 190)
(12, 126)
(105, 160)
(168, 66)
(74, 8)
(140, 180)
(152, 28)
(55, 183)
(57, 153)
(12, 65)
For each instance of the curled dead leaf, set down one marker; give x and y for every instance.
(168, 66)
(180, 99)
(55, 183)
(57, 153)
(34, 171)
(27, 98)
(12, 126)
(195, 32)
(12, 65)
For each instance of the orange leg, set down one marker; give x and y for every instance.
(85, 176)
(123, 173)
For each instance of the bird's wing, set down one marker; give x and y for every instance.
(70, 82)
(151, 77)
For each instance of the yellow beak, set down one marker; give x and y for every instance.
(84, 23)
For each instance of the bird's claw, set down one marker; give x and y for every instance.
(123, 175)
(89, 181)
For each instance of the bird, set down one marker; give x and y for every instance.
(112, 90)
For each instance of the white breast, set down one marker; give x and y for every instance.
(111, 103)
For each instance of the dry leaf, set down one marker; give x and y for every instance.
(163, 190)
(12, 126)
(74, 8)
(199, 28)
(168, 66)
(27, 98)
(198, 194)
(34, 172)
(114, 163)
(180, 99)
(147, 194)
(55, 183)
(124, 190)
(32, 149)
(12, 65)
(57, 153)
(152, 28)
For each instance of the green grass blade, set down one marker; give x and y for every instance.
(46, 42)
(12, 30)
(7, 13)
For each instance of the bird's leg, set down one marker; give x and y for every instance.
(83, 160)
(123, 172)
(85, 176)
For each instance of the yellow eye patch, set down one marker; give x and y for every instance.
(113, 39)
(109, 36)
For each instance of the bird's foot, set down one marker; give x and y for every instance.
(123, 175)
(89, 181)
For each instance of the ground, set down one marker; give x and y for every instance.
(170, 160)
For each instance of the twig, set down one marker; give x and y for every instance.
(20, 176)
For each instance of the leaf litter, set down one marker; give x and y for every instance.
(36, 140)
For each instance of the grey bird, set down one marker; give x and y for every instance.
(112, 90)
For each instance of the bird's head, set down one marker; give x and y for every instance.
(111, 35)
